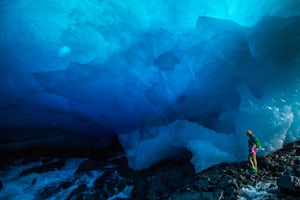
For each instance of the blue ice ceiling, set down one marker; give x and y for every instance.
(166, 77)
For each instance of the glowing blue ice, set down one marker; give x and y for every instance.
(139, 68)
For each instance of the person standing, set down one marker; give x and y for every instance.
(252, 150)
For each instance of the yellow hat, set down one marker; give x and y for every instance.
(249, 132)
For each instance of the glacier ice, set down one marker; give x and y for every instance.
(166, 77)
(162, 142)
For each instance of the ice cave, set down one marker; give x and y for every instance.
(164, 77)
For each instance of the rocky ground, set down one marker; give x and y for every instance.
(108, 177)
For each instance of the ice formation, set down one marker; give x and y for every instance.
(165, 76)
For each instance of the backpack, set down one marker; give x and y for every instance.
(257, 142)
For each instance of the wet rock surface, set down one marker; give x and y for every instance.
(45, 167)
(111, 178)
(225, 181)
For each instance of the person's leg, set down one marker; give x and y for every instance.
(251, 160)
(254, 161)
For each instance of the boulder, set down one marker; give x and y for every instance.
(289, 185)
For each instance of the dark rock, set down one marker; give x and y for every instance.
(297, 160)
(185, 195)
(218, 193)
(280, 168)
(288, 171)
(235, 183)
(1, 185)
(289, 185)
(88, 165)
(272, 189)
(162, 179)
(109, 184)
(44, 168)
(126, 172)
(225, 182)
(65, 185)
(119, 160)
(202, 184)
(174, 179)
(229, 190)
(264, 163)
(297, 170)
(231, 172)
(78, 193)
(140, 189)
(47, 192)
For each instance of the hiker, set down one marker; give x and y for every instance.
(252, 150)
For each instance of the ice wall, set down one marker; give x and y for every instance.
(167, 77)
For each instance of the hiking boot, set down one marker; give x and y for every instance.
(254, 169)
